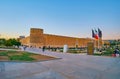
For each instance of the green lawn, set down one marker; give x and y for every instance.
(22, 56)
(15, 55)
(3, 53)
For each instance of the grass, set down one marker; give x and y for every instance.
(97, 54)
(3, 54)
(73, 51)
(25, 57)
(22, 56)
(76, 51)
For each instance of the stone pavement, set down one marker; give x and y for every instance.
(70, 66)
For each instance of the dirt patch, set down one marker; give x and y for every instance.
(2, 50)
(2, 58)
(42, 57)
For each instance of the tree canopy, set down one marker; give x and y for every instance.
(9, 42)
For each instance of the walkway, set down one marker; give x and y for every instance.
(71, 66)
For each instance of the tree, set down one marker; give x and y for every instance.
(12, 42)
(8, 43)
(18, 44)
(2, 41)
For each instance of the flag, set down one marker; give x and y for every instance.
(93, 34)
(99, 33)
(96, 34)
(96, 31)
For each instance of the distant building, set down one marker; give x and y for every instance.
(21, 37)
(37, 38)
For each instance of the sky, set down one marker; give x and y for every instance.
(75, 18)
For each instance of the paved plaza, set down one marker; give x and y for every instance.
(68, 66)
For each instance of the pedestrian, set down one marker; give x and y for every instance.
(43, 49)
(23, 48)
(49, 48)
(116, 52)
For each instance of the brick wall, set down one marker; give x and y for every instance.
(38, 39)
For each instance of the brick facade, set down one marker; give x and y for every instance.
(37, 38)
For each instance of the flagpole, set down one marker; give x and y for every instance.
(98, 43)
(95, 46)
(99, 39)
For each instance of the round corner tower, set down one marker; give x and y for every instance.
(36, 37)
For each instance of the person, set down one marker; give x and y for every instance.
(116, 52)
(24, 47)
(43, 49)
(49, 48)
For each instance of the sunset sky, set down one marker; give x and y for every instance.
(74, 18)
